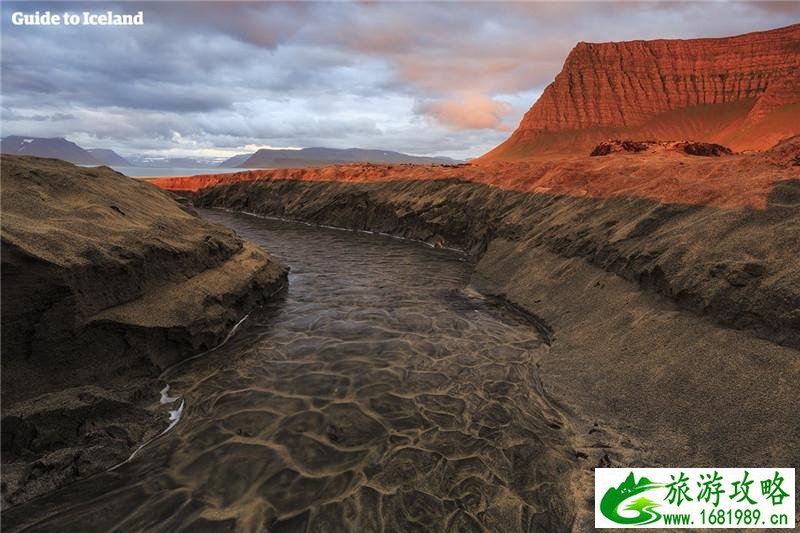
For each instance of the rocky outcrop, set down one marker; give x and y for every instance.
(106, 281)
(740, 91)
(634, 147)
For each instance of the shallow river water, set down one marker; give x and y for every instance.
(378, 393)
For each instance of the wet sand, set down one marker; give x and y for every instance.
(382, 393)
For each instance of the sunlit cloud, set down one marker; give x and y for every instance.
(473, 112)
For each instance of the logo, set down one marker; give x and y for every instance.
(694, 497)
(644, 509)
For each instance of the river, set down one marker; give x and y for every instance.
(379, 393)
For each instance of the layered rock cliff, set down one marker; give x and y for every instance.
(106, 281)
(742, 92)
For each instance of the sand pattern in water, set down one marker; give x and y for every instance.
(380, 395)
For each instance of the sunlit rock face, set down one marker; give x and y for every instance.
(740, 91)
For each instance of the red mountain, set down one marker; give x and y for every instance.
(742, 92)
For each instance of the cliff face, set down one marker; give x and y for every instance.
(740, 91)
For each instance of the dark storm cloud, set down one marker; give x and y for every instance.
(415, 77)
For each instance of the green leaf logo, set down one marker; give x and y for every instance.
(645, 508)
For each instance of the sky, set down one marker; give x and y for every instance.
(216, 79)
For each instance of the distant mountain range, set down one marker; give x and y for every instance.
(235, 161)
(54, 147)
(316, 157)
(109, 157)
(61, 148)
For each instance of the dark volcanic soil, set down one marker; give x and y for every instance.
(106, 281)
(678, 323)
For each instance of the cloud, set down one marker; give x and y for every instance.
(424, 78)
(473, 112)
(8, 114)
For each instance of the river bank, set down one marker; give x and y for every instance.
(106, 282)
(676, 323)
